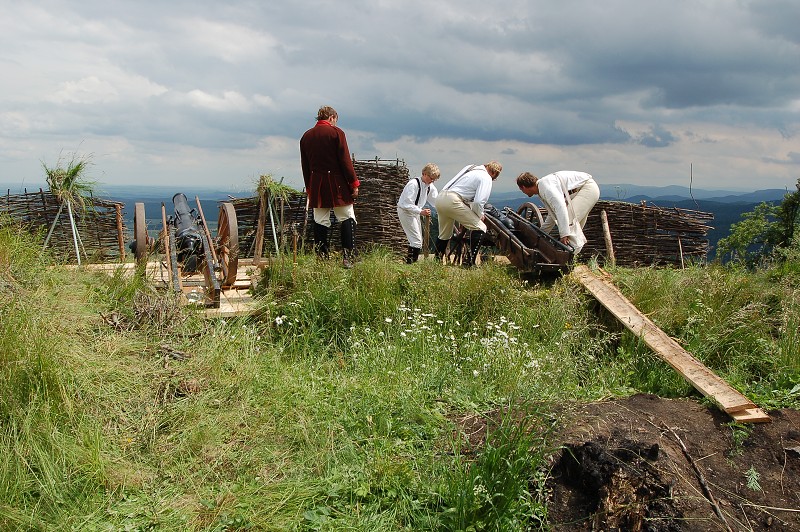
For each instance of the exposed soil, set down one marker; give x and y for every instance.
(622, 467)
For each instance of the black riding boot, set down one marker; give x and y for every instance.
(441, 248)
(475, 239)
(321, 240)
(348, 231)
(409, 255)
(412, 255)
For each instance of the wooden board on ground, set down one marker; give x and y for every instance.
(233, 301)
(701, 377)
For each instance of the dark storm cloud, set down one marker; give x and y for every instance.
(657, 137)
(616, 75)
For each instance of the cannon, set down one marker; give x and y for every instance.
(527, 247)
(197, 265)
(189, 244)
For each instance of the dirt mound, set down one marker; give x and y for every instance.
(647, 463)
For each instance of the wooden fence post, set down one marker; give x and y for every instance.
(120, 236)
(607, 235)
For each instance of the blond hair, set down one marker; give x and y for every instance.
(494, 166)
(432, 171)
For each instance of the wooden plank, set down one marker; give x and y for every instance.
(694, 371)
(233, 303)
(236, 301)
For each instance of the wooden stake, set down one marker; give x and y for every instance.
(262, 221)
(165, 240)
(120, 236)
(607, 235)
(206, 231)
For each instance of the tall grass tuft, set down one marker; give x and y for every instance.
(494, 491)
(51, 449)
(742, 324)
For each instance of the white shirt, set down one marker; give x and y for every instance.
(415, 194)
(474, 184)
(552, 188)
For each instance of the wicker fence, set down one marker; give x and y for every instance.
(100, 227)
(645, 235)
(642, 234)
(381, 184)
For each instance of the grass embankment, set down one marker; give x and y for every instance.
(342, 406)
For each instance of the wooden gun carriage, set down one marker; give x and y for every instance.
(527, 247)
(198, 267)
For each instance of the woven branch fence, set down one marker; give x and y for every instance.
(645, 235)
(100, 228)
(382, 182)
(642, 234)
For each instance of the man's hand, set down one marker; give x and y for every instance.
(425, 212)
(355, 192)
(565, 240)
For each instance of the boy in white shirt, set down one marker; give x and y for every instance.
(411, 205)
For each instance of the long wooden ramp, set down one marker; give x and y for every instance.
(739, 407)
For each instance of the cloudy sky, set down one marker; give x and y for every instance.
(210, 93)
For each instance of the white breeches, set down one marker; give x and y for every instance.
(322, 215)
(412, 226)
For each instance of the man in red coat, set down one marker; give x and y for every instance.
(331, 181)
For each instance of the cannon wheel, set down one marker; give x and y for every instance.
(528, 206)
(227, 243)
(140, 232)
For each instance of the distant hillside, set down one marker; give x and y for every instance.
(633, 193)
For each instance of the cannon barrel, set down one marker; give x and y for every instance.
(188, 241)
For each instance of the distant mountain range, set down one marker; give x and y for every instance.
(670, 194)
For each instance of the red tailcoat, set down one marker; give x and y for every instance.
(327, 168)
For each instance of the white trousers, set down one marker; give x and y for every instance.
(584, 199)
(412, 226)
(322, 215)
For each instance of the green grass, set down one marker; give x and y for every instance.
(341, 406)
